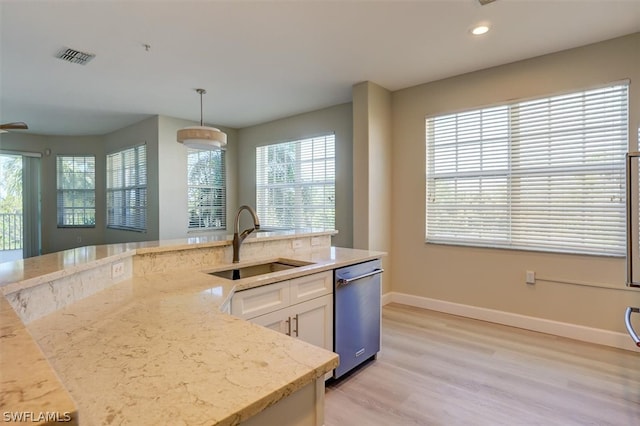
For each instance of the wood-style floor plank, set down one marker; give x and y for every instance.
(440, 369)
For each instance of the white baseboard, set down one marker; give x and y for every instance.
(386, 298)
(563, 329)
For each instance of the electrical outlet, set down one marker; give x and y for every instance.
(117, 269)
(530, 277)
(296, 244)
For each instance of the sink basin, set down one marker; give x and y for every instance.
(259, 269)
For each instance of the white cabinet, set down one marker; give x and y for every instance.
(278, 320)
(302, 307)
(312, 321)
(249, 304)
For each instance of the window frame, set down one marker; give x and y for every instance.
(61, 192)
(513, 171)
(301, 214)
(194, 189)
(139, 189)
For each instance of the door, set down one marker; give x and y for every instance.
(312, 321)
(357, 314)
(278, 321)
(20, 225)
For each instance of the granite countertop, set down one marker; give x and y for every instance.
(156, 349)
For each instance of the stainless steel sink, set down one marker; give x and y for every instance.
(259, 269)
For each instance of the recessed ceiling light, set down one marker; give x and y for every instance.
(479, 30)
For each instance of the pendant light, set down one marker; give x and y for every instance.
(202, 137)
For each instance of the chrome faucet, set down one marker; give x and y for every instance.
(238, 237)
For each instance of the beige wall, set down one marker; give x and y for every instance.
(172, 163)
(54, 238)
(335, 119)
(372, 171)
(493, 278)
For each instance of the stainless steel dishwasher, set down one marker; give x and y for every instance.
(356, 314)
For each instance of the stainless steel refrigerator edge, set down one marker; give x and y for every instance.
(357, 314)
(632, 172)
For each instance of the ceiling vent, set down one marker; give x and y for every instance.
(485, 2)
(74, 56)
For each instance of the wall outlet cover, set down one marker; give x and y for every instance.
(530, 277)
(117, 269)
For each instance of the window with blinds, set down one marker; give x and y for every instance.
(296, 183)
(76, 190)
(127, 189)
(544, 174)
(206, 188)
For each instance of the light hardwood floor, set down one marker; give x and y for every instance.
(440, 369)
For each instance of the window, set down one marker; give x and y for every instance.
(206, 187)
(127, 189)
(544, 174)
(296, 183)
(76, 184)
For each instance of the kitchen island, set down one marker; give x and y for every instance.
(156, 348)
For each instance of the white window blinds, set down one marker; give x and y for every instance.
(76, 190)
(127, 189)
(295, 183)
(206, 187)
(545, 174)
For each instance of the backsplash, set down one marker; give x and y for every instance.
(37, 300)
(206, 257)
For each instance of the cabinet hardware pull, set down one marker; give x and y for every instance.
(296, 329)
(288, 321)
(346, 281)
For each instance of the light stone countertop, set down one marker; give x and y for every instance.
(27, 382)
(21, 274)
(155, 349)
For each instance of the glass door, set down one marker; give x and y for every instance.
(20, 232)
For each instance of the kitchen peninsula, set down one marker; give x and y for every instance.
(138, 334)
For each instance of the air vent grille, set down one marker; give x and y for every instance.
(74, 56)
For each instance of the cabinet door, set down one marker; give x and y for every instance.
(312, 321)
(311, 286)
(278, 321)
(257, 301)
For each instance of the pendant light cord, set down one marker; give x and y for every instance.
(201, 122)
(201, 92)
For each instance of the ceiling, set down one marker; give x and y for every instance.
(262, 60)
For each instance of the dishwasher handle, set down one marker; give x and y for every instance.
(346, 281)
(627, 321)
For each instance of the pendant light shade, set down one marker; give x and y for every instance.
(202, 137)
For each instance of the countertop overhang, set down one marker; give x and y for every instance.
(157, 348)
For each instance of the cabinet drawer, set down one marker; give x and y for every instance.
(260, 300)
(311, 286)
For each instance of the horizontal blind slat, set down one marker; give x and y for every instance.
(126, 189)
(206, 189)
(76, 197)
(542, 174)
(295, 183)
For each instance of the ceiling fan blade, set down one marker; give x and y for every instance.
(18, 125)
